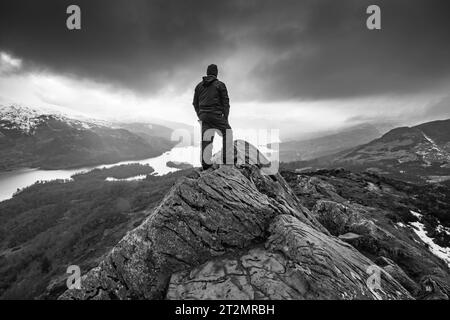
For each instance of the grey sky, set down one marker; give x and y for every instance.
(312, 56)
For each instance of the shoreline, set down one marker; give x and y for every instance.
(82, 166)
(21, 177)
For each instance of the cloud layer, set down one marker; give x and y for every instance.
(268, 50)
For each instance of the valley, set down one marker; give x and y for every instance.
(33, 138)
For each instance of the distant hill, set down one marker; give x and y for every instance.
(162, 128)
(328, 144)
(418, 154)
(34, 138)
(146, 130)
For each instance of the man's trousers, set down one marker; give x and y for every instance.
(211, 124)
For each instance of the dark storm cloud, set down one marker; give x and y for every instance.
(307, 49)
(335, 55)
(137, 44)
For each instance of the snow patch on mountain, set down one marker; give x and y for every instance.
(431, 151)
(416, 214)
(419, 228)
(433, 144)
(20, 118)
(26, 119)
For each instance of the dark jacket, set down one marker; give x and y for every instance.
(211, 96)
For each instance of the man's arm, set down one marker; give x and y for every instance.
(195, 102)
(224, 99)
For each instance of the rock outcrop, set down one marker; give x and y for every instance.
(398, 274)
(235, 233)
(377, 217)
(296, 262)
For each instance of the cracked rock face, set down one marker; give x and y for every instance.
(255, 274)
(233, 233)
(297, 263)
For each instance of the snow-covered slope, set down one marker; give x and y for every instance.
(26, 119)
(34, 137)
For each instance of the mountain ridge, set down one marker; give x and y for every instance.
(417, 154)
(328, 144)
(34, 138)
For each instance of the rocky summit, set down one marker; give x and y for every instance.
(233, 232)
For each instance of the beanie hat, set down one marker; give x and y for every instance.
(212, 70)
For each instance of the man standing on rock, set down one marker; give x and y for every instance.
(212, 105)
